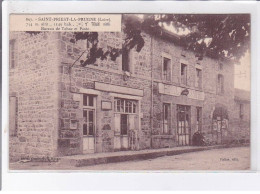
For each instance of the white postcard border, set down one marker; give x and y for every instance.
(132, 180)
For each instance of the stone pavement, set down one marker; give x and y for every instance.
(122, 156)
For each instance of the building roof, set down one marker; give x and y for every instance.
(242, 95)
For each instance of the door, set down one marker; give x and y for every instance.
(183, 125)
(89, 131)
(121, 140)
(126, 124)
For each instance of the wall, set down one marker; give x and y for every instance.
(210, 70)
(34, 83)
(108, 72)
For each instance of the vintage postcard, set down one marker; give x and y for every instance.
(129, 91)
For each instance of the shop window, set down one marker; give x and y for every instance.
(198, 81)
(166, 118)
(166, 69)
(220, 84)
(199, 119)
(241, 111)
(13, 109)
(12, 54)
(184, 74)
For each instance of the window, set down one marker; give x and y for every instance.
(125, 105)
(13, 116)
(125, 60)
(166, 118)
(220, 84)
(184, 74)
(241, 111)
(89, 116)
(12, 54)
(166, 69)
(88, 126)
(199, 119)
(88, 100)
(198, 81)
(220, 66)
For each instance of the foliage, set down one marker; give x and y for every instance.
(216, 35)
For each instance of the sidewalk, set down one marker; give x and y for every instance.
(122, 156)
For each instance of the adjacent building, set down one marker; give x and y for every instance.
(156, 98)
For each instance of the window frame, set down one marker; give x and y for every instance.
(186, 73)
(220, 84)
(89, 108)
(199, 118)
(123, 106)
(166, 56)
(198, 81)
(168, 130)
(12, 55)
(14, 132)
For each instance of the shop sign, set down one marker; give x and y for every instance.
(106, 105)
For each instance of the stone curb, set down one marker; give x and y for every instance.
(137, 156)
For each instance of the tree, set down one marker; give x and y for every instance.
(216, 35)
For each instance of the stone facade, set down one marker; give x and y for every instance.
(34, 84)
(50, 86)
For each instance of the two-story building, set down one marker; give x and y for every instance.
(154, 98)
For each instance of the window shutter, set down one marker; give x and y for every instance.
(12, 116)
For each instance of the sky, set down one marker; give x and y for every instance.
(242, 73)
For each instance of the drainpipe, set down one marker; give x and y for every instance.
(151, 58)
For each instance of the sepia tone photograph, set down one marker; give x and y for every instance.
(148, 92)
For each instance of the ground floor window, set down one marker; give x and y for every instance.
(166, 118)
(13, 116)
(199, 119)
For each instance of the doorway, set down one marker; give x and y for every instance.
(126, 124)
(183, 125)
(89, 123)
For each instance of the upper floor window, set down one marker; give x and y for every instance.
(241, 111)
(220, 66)
(12, 54)
(198, 81)
(183, 74)
(220, 84)
(166, 69)
(125, 60)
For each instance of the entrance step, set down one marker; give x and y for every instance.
(123, 156)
